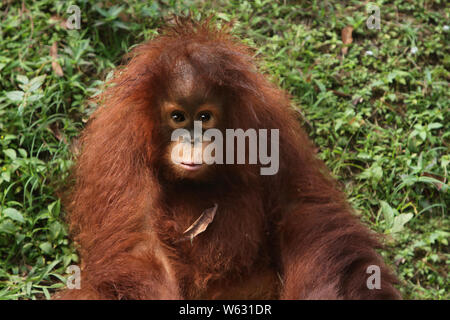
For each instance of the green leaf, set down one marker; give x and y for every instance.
(388, 213)
(20, 109)
(320, 85)
(55, 230)
(13, 214)
(54, 208)
(377, 173)
(46, 293)
(423, 135)
(23, 152)
(121, 25)
(6, 175)
(10, 153)
(15, 95)
(115, 11)
(35, 83)
(22, 79)
(46, 247)
(223, 16)
(400, 221)
(7, 227)
(35, 97)
(434, 125)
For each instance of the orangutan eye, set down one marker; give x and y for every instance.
(204, 116)
(177, 116)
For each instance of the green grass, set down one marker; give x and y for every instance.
(380, 121)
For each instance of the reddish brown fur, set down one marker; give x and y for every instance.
(290, 236)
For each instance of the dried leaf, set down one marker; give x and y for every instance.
(57, 68)
(58, 20)
(55, 65)
(357, 100)
(124, 16)
(75, 147)
(200, 224)
(438, 178)
(55, 130)
(347, 39)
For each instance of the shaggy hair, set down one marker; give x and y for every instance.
(291, 235)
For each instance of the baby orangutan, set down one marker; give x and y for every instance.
(150, 227)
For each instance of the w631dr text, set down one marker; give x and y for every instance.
(247, 309)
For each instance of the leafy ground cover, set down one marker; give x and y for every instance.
(375, 101)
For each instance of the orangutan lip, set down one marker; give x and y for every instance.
(191, 166)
